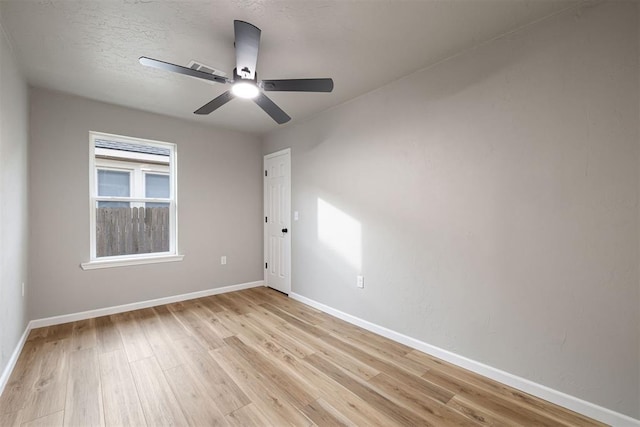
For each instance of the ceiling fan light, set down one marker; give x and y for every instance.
(245, 90)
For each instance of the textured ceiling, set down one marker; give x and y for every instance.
(91, 48)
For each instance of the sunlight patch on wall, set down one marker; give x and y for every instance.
(340, 232)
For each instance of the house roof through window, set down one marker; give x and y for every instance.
(135, 148)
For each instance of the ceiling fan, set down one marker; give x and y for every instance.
(245, 82)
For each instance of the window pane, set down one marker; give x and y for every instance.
(127, 231)
(113, 204)
(113, 183)
(156, 186)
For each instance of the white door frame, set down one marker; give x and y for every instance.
(286, 151)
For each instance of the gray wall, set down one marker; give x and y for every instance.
(496, 195)
(219, 207)
(13, 202)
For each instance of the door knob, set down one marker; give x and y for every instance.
(284, 230)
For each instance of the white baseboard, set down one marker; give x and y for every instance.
(559, 398)
(73, 317)
(4, 379)
(56, 320)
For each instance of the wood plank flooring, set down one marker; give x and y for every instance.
(248, 358)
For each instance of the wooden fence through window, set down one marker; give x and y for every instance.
(126, 231)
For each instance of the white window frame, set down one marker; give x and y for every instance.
(137, 175)
(133, 259)
(130, 171)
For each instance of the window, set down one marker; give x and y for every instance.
(133, 210)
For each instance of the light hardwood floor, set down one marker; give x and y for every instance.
(248, 358)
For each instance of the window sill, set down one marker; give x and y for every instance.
(92, 265)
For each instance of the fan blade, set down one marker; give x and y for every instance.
(247, 45)
(161, 65)
(215, 103)
(271, 109)
(299, 85)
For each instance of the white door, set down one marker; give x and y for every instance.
(277, 217)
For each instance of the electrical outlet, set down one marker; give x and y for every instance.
(360, 281)
(22, 288)
(223, 260)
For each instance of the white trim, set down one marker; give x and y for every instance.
(4, 379)
(132, 199)
(130, 260)
(554, 396)
(56, 320)
(278, 153)
(131, 139)
(90, 314)
(93, 180)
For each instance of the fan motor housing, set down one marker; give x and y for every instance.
(237, 77)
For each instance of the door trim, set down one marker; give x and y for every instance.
(265, 232)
